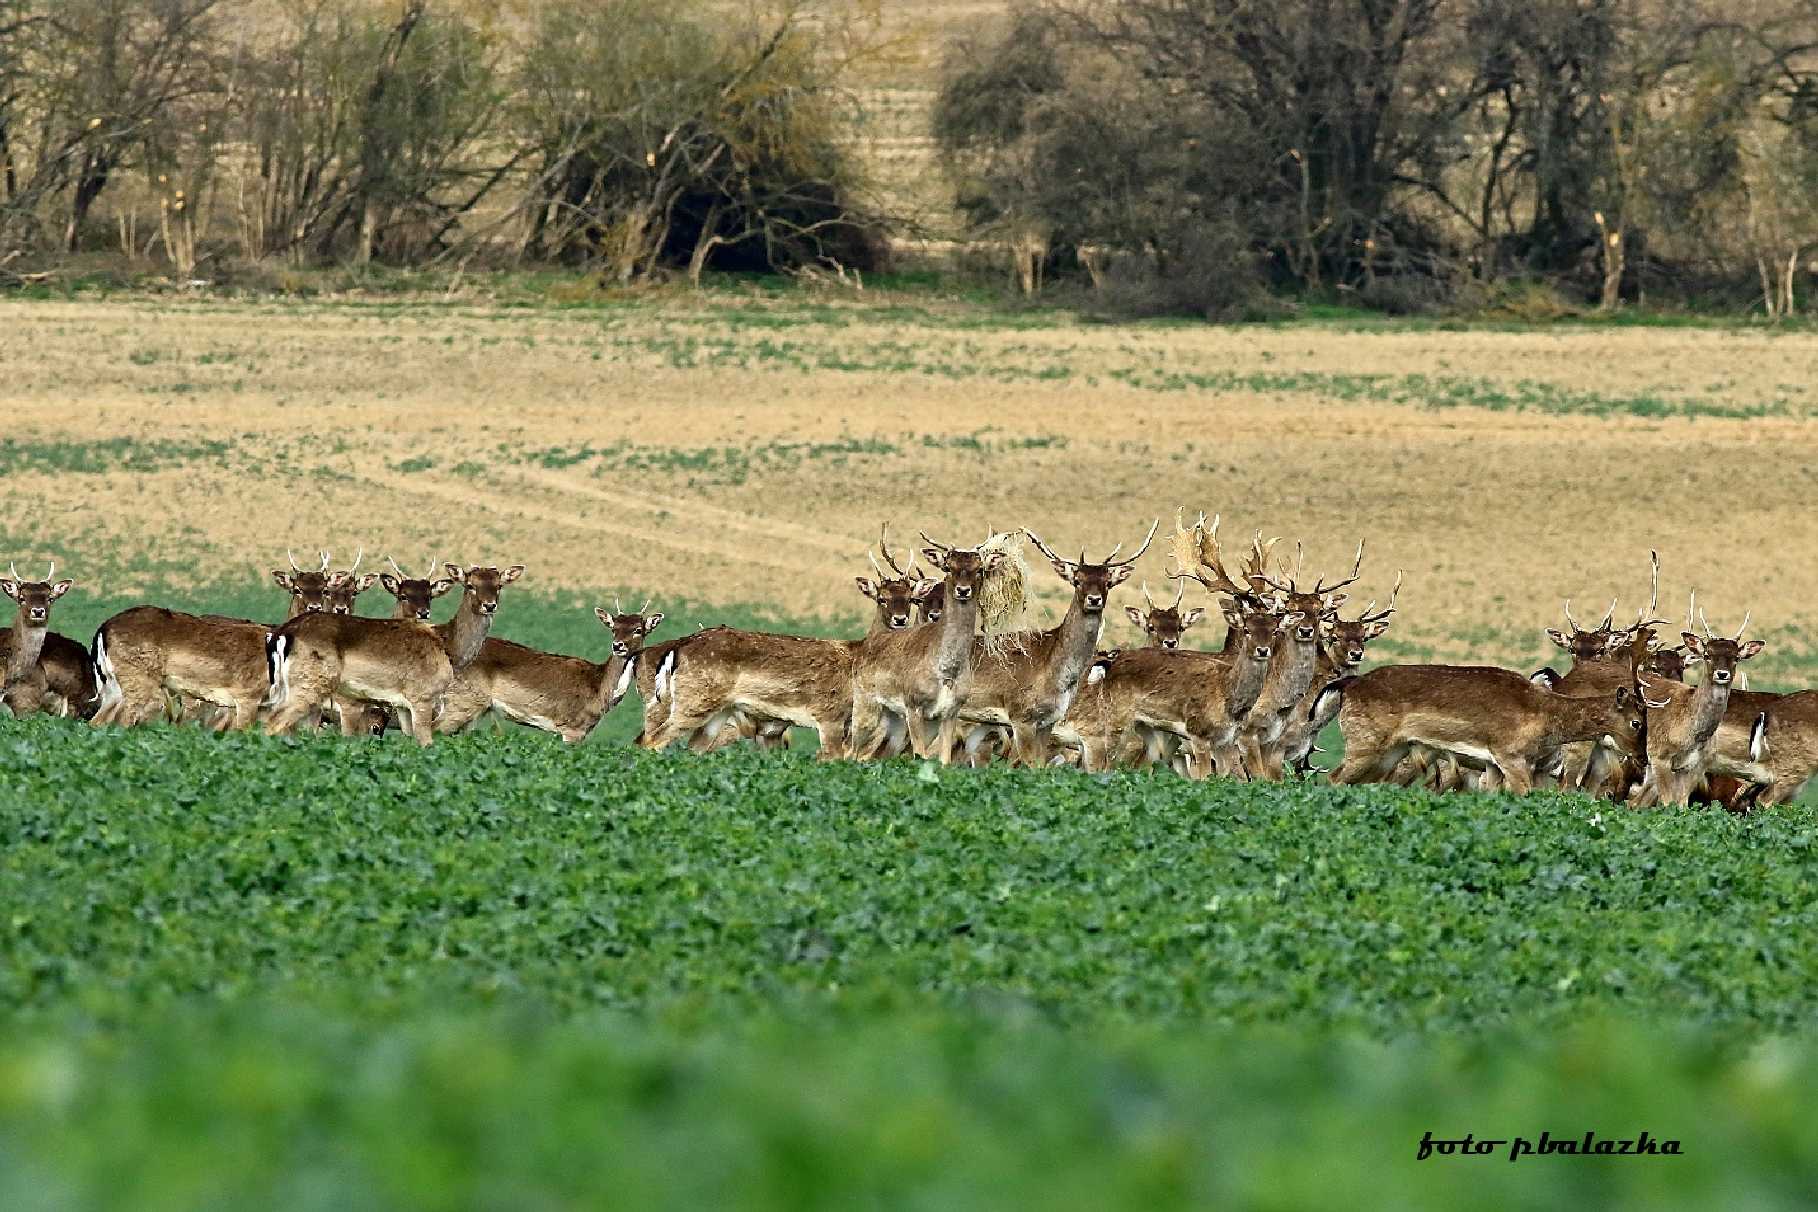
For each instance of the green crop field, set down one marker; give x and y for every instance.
(506, 972)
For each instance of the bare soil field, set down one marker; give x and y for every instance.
(744, 448)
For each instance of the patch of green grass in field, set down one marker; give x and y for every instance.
(18, 457)
(1441, 391)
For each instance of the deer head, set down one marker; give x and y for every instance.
(1315, 606)
(629, 631)
(896, 591)
(415, 595)
(345, 587)
(1164, 625)
(1589, 645)
(34, 597)
(1093, 583)
(933, 602)
(1347, 638)
(481, 585)
(1720, 655)
(965, 568)
(1258, 627)
(309, 588)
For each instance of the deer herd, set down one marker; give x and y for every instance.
(1624, 721)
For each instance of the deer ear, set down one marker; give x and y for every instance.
(1191, 617)
(1376, 629)
(1693, 644)
(456, 571)
(277, 574)
(1136, 616)
(1121, 573)
(61, 588)
(923, 588)
(9, 588)
(367, 581)
(602, 614)
(438, 588)
(1336, 600)
(1749, 649)
(390, 582)
(651, 621)
(866, 587)
(934, 557)
(511, 574)
(1559, 638)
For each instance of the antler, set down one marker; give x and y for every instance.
(1049, 552)
(884, 543)
(358, 556)
(1320, 585)
(1111, 561)
(1570, 621)
(1609, 616)
(1386, 611)
(294, 566)
(402, 575)
(1747, 615)
(932, 543)
(1201, 543)
(1147, 600)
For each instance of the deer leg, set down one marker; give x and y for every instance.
(1517, 775)
(868, 730)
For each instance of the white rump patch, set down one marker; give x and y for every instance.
(665, 675)
(1758, 738)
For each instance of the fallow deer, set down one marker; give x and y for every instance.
(1682, 721)
(401, 663)
(413, 598)
(1765, 750)
(561, 694)
(1165, 626)
(1291, 669)
(25, 678)
(895, 597)
(1341, 654)
(897, 592)
(921, 676)
(1481, 716)
(1026, 681)
(1165, 699)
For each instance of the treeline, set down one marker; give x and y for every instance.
(1192, 154)
(631, 135)
(1186, 156)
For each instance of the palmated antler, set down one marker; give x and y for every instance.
(1201, 547)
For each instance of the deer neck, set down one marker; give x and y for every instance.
(28, 643)
(463, 635)
(1072, 645)
(1293, 665)
(879, 625)
(1247, 678)
(953, 653)
(616, 677)
(1709, 702)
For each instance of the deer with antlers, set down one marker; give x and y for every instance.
(1484, 718)
(1342, 647)
(1165, 626)
(712, 657)
(400, 663)
(897, 593)
(1026, 681)
(39, 670)
(568, 696)
(1291, 668)
(144, 653)
(1682, 721)
(919, 678)
(1155, 704)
